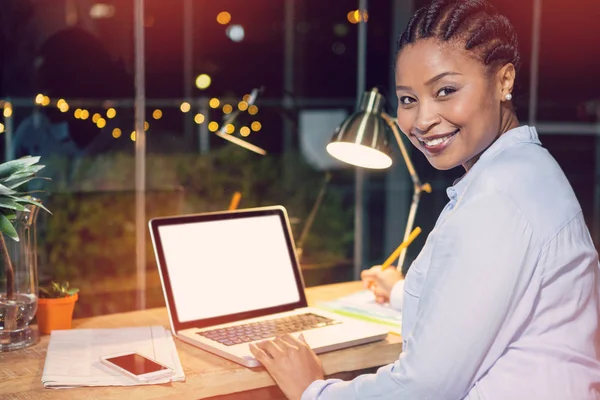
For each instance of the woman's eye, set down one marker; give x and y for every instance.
(405, 100)
(445, 91)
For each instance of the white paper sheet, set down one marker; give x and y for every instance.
(73, 355)
(362, 305)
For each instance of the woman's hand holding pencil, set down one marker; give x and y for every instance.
(380, 279)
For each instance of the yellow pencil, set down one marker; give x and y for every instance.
(235, 200)
(402, 246)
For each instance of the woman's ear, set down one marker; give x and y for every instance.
(506, 80)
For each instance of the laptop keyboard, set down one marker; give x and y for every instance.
(237, 334)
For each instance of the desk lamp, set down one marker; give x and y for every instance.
(361, 140)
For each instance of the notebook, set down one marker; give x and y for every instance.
(231, 278)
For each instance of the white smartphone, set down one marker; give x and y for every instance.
(137, 366)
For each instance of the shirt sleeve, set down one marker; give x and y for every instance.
(397, 295)
(481, 262)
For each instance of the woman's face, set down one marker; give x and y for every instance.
(449, 106)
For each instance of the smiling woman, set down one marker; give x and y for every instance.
(503, 302)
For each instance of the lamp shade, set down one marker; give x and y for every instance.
(361, 139)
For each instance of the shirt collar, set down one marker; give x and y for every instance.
(521, 134)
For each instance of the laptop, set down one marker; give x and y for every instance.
(231, 278)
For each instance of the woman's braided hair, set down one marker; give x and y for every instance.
(472, 23)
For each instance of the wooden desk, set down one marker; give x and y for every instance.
(206, 375)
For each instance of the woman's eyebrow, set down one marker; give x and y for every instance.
(430, 81)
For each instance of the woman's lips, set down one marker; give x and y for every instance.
(437, 145)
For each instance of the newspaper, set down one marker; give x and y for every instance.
(72, 358)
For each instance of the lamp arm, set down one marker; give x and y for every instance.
(418, 186)
(411, 169)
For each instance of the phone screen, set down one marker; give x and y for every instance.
(136, 364)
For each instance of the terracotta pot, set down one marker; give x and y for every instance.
(55, 314)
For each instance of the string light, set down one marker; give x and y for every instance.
(199, 118)
(101, 123)
(185, 107)
(252, 110)
(213, 126)
(77, 113)
(214, 102)
(111, 113)
(96, 117)
(244, 131)
(157, 114)
(246, 97)
(242, 105)
(116, 133)
(256, 126)
(229, 128)
(227, 108)
(39, 99)
(45, 101)
(85, 114)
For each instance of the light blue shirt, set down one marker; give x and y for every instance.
(503, 301)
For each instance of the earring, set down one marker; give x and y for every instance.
(508, 97)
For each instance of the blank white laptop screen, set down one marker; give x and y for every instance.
(228, 266)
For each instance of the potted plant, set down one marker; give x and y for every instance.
(18, 258)
(55, 306)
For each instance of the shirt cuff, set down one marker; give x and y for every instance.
(397, 295)
(315, 389)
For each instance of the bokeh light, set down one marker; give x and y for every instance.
(227, 108)
(223, 18)
(229, 128)
(111, 113)
(356, 16)
(235, 33)
(244, 131)
(7, 110)
(116, 133)
(203, 81)
(157, 114)
(252, 110)
(185, 107)
(199, 118)
(214, 102)
(256, 126)
(213, 126)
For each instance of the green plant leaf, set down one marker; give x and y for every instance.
(15, 183)
(6, 191)
(10, 167)
(30, 201)
(7, 228)
(6, 202)
(10, 214)
(29, 171)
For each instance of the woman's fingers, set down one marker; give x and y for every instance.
(260, 354)
(270, 347)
